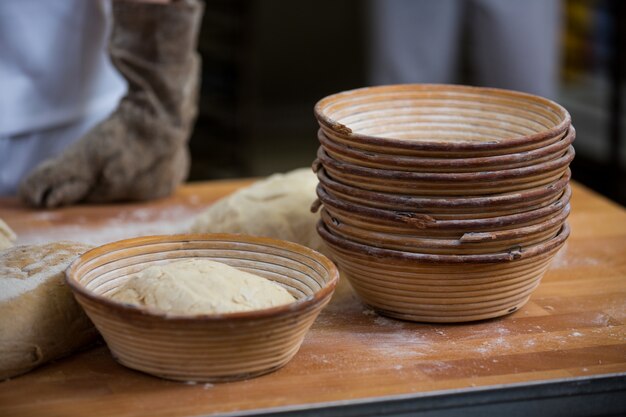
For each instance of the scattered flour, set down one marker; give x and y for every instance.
(17, 283)
(384, 321)
(46, 215)
(22, 270)
(127, 224)
(565, 259)
(435, 366)
(494, 344)
(397, 344)
(320, 358)
(561, 259)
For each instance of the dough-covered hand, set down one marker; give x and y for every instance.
(140, 151)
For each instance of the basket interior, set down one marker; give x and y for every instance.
(450, 114)
(301, 275)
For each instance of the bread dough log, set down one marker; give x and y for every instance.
(39, 318)
(7, 237)
(200, 286)
(277, 207)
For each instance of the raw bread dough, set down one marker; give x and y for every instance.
(277, 207)
(7, 237)
(200, 286)
(39, 318)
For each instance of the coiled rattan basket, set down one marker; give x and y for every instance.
(204, 347)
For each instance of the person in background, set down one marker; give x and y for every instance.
(510, 44)
(83, 122)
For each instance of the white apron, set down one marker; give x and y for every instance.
(56, 81)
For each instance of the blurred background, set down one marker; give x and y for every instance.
(266, 63)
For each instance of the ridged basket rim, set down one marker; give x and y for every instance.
(560, 162)
(299, 305)
(448, 243)
(491, 200)
(344, 131)
(424, 221)
(501, 257)
(407, 161)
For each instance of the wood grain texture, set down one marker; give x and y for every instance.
(574, 325)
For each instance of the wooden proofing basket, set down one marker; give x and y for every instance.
(447, 121)
(416, 224)
(469, 243)
(369, 159)
(464, 184)
(447, 208)
(442, 288)
(204, 347)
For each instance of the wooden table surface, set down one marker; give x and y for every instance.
(574, 325)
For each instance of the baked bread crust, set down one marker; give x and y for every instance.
(39, 318)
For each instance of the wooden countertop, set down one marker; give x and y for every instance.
(574, 326)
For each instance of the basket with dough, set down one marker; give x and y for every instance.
(204, 347)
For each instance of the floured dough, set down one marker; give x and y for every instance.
(200, 286)
(7, 237)
(39, 318)
(277, 207)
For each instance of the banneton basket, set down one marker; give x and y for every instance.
(415, 224)
(207, 347)
(442, 288)
(453, 208)
(470, 243)
(446, 184)
(351, 155)
(446, 121)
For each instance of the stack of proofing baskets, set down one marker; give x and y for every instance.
(443, 203)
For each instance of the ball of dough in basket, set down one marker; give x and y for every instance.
(200, 286)
(7, 237)
(39, 318)
(277, 207)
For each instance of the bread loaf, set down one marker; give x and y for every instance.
(39, 318)
(278, 206)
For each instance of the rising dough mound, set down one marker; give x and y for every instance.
(199, 286)
(278, 207)
(7, 237)
(39, 318)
